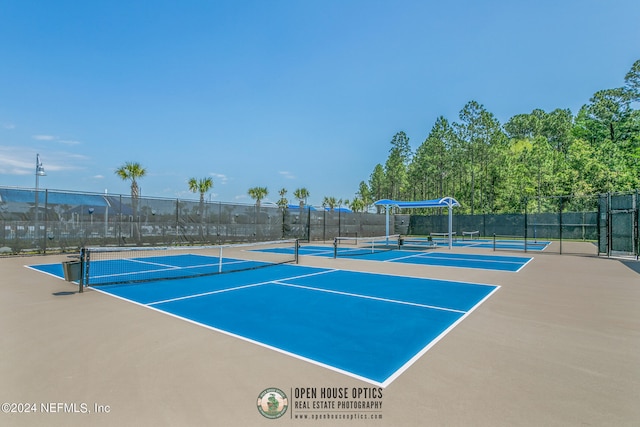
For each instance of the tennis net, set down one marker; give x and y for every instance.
(117, 265)
(355, 246)
(418, 242)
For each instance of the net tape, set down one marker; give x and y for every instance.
(118, 265)
(354, 246)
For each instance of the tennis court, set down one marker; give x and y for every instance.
(555, 344)
(469, 241)
(379, 250)
(411, 314)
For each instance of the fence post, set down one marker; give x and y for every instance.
(45, 234)
(636, 219)
(560, 221)
(526, 219)
(609, 226)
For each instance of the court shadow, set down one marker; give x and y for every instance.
(634, 265)
(64, 293)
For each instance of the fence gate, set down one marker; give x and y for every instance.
(618, 224)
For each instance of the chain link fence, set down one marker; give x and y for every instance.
(63, 221)
(618, 223)
(564, 221)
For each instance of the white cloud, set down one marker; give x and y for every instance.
(69, 142)
(13, 161)
(20, 161)
(8, 126)
(56, 139)
(45, 137)
(219, 178)
(287, 175)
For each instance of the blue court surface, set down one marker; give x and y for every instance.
(369, 326)
(439, 258)
(500, 244)
(421, 243)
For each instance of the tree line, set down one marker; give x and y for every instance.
(491, 167)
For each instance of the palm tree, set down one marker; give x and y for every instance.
(301, 194)
(257, 194)
(132, 171)
(201, 186)
(358, 205)
(332, 202)
(283, 202)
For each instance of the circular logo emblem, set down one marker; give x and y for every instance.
(272, 403)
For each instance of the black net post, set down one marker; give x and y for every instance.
(83, 274)
(296, 251)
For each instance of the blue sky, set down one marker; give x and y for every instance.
(279, 93)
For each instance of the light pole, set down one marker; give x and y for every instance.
(39, 173)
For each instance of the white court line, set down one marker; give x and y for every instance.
(251, 341)
(383, 384)
(140, 261)
(474, 244)
(349, 294)
(168, 268)
(431, 256)
(317, 252)
(236, 288)
(524, 265)
(45, 272)
(418, 355)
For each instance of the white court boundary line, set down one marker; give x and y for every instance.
(383, 384)
(218, 291)
(471, 257)
(430, 256)
(168, 267)
(349, 294)
(428, 347)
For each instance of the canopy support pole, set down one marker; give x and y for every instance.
(450, 224)
(386, 210)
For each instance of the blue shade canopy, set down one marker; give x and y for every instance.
(445, 202)
(304, 208)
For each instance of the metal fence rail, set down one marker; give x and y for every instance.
(560, 219)
(61, 221)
